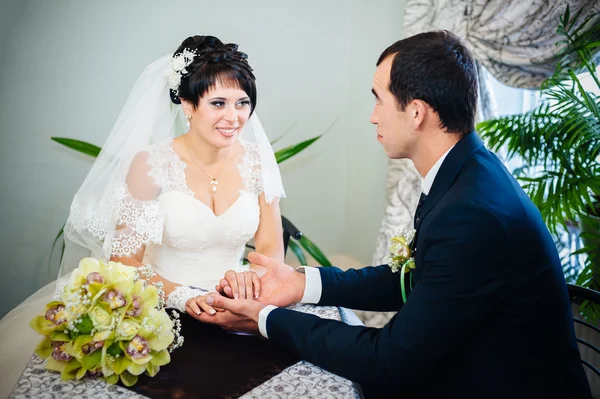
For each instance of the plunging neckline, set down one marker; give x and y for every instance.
(208, 209)
(190, 193)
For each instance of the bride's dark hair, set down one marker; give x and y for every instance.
(214, 62)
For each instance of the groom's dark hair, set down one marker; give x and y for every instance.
(437, 68)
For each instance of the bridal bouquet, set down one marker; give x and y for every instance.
(109, 323)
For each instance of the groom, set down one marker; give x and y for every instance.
(488, 314)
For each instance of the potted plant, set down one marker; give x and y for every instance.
(559, 143)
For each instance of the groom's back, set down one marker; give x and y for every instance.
(526, 347)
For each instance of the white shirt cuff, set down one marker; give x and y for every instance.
(313, 287)
(262, 319)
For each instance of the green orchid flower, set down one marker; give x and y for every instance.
(55, 318)
(141, 299)
(44, 348)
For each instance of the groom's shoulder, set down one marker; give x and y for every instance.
(485, 185)
(485, 176)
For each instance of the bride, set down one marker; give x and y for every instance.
(183, 205)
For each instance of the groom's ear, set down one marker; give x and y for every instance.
(417, 111)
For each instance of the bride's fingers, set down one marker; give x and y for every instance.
(193, 306)
(228, 292)
(256, 283)
(242, 285)
(249, 284)
(192, 314)
(231, 278)
(204, 306)
(189, 310)
(220, 288)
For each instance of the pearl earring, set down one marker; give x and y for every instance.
(188, 117)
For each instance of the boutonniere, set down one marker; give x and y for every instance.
(400, 258)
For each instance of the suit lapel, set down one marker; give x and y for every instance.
(444, 179)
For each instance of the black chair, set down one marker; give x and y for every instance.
(588, 335)
(289, 230)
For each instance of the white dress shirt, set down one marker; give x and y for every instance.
(430, 176)
(312, 294)
(314, 286)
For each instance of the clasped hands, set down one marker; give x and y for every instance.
(241, 296)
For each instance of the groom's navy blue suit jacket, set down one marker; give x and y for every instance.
(488, 315)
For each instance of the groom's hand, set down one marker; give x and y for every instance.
(239, 315)
(281, 285)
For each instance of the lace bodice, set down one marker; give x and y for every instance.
(185, 241)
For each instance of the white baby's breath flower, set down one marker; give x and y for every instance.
(174, 81)
(178, 63)
(177, 67)
(400, 255)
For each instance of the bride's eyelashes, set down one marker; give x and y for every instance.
(239, 104)
(218, 104)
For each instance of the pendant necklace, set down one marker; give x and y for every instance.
(213, 180)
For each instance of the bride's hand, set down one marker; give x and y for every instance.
(195, 306)
(243, 285)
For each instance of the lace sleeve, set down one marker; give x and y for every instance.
(139, 216)
(250, 169)
(180, 295)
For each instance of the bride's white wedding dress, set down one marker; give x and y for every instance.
(186, 243)
(196, 247)
(193, 246)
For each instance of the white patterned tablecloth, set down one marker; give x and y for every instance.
(301, 380)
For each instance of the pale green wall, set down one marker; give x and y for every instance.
(68, 66)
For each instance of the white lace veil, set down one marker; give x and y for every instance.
(148, 117)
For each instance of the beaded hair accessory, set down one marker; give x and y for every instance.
(177, 68)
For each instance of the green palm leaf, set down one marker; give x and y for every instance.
(77, 145)
(288, 152)
(60, 233)
(560, 141)
(314, 251)
(295, 248)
